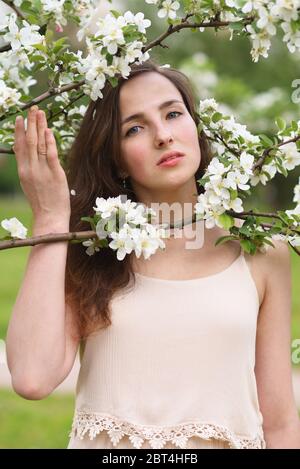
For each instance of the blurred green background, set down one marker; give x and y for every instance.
(254, 92)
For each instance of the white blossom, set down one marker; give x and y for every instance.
(139, 20)
(122, 242)
(253, 5)
(216, 167)
(291, 37)
(25, 37)
(235, 179)
(168, 9)
(285, 9)
(266, 21)
(111, 30)
(9, 97)
(92, 248)
(297, 192)
(56, 8)
(206, 105)
(294, 240)
(105, 207)
(261, 43)
(247, 161)
(15, 227)
(291, 155)
(270, 169)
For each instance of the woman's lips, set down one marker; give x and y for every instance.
(171, 161)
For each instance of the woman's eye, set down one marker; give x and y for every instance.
(175, 112)
(129, 131)
(136, 126)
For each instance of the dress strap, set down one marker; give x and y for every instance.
(242, 253)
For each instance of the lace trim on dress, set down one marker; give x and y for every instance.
(157, 436)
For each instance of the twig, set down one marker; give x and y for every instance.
(15, 8)
(6, 151)
(53, 238)
(50, 117)
(261, 160)
(297, 251)
(184, 24)
(72, 101)
(46, 95)
(172, 29)
(219, 137)
(255, 214)
(5, 48)
(57, 237)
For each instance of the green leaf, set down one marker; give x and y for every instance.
(109, 59)
(58, 45)
(223, 239)
(38, 58)
(281, 124)
(88, 219)
(217, 116)
(41, 47)
(37, 4)
(76, 241)
(245, 230)
(282, 170)
(283, 216)
(111, 225)
(266, 140)
(236, 26)
(178, 21)
(113, 81)
(203, 180)
(267, 241)
(248, 246)
(6, 238)
(226, 221)
(198, 17)
(294, 126)
(115, 13)
(234, 193)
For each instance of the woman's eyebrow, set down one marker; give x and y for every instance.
(141, 114)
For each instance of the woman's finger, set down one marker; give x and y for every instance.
(52, 155)
(20, 140)
(41, 127)
(31, 134)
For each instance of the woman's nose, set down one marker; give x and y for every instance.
(163, 137)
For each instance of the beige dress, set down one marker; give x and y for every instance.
(176, 367)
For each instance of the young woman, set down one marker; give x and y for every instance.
(187, 349)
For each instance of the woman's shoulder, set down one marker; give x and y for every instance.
(270, 265)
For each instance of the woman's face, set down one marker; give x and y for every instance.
(146, 138)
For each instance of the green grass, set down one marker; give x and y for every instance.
(35, 424)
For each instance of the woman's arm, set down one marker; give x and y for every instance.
(42, 340)
(273, 367)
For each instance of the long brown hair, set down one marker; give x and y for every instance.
(93, 170)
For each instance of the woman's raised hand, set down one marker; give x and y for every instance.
(42, 178)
